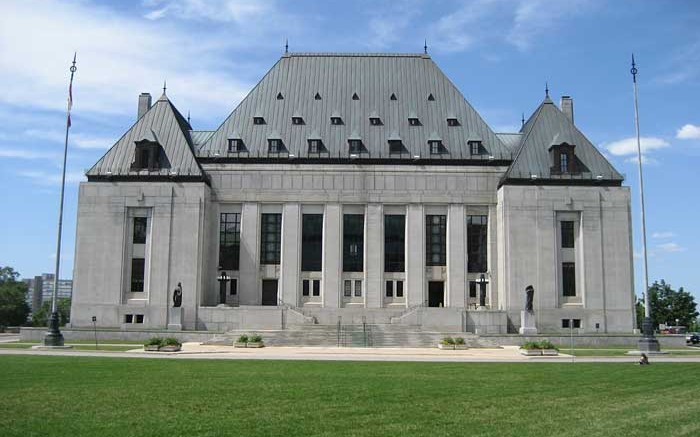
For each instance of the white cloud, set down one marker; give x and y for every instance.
(534, 18)
(237, 11)
(663, 235)
(46, 178)
(688, 132)
(26, 154)
(670, 247)
(645, 160)
(628, 146)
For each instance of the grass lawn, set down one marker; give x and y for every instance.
(620, 351)
(82, 396)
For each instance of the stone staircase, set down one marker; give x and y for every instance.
(355, 335)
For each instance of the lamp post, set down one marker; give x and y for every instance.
(223, 278)
(482, 281)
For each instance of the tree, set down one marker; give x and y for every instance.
(41, 317)
(667, 305)
(13, 304)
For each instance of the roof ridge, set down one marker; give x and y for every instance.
(356, 54)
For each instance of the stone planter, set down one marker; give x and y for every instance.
(256, 345)
(151, 348)
(461, 347)
(237, 344)
(171, 348)
(450, 347)
(550, 352)
(530, 352)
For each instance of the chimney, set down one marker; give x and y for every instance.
(567, 107)
(145, 104)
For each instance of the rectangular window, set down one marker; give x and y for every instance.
(568, 274)
(353, 242)
(472, 289)
(235, 145)
(477, 227)
(347, 288)
(305, 287)
(314, 146)
(270, 238)
(140, 228)
(435, 240)
(336, 121)
(139, 318)
(234, 287)
(311, 242)
(396, 146)
(358, 288)
(229, 240)
(399, 288)
(413, 121)
(138, 270)
(435, 147)
(317, 287)
(574, 323)
(389, 288)
(567, 234)
(475, 147)
(128, 318)
(452, 122)
(563, 163)
(355, 146)
(274, 145)
(394, 243)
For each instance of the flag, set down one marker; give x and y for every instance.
(70, 100)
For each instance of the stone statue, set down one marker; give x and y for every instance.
(177, 296)
(482, 294)
(530, 293)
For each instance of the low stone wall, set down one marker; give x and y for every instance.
(106, 335)
(589, 340)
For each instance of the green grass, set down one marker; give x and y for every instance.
(85, 396)
(620, 351)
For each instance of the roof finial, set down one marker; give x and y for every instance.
(633, 70)
(546, 90)
(164, 87)
(188, 116)
(522, 120)
(425, 46)
(286, 45)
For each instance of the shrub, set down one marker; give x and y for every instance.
(459, 340)
(546, 344)
(448, 340)
(154, 341)
(530, 345)
(256, 339)
(172, 341)
(243, 339)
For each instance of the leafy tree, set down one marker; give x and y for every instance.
(13, 306)
(667, 305)
(41, 317)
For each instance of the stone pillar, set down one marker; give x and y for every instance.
(415, 255)
(456, 256)
(492, 257)
(290, 263)
(374, 254)
(332, 254)
(249, 287)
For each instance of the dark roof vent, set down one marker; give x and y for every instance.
(317, 96)
(393, 96)
(431, 98)
(280, 96)
(355, 96)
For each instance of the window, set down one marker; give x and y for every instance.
(336, 121)
(353, 242)
(146, 156)
(475, 147)
(567, 234)
(274, 145)
(139, 318)
(311, 242)
(128, 318)
(347, 288)
(564, 163)
(317, 287)
(234, 287)
(453, 122)
(138, 270)
(563, 160)
(472, 289)
(389, 288)
(315, 146)
(477, 232)
(399, 288)
(394, 243)
(375, 121)
(356, 146)
(413, 121)
(573, 323)
(358, 288)
(235, 145)
(229, 240)
(258, 120)
(270, 238)
(305, 287)
(140, 228)
(436, 241)
(568, 274)
(435, 147)
(297, 121)
(396, 146)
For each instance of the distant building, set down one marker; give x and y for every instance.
(40, 289)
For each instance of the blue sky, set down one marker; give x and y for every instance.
(499, 53)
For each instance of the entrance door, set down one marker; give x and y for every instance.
(269, 292)
(436, 294)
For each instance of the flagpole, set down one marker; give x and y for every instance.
(647, 343)
(54, 337)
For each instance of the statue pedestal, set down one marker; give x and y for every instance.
(175, 319)
(527, 323)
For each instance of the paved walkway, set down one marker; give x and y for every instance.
(507, 354)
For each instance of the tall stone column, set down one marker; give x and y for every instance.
(290, 262)
(332, 254)
(374, 254)
(250, 287)
(456, 256)
(415, 255)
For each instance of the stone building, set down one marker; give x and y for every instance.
(355, 186)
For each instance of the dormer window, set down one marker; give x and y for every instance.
(235, 145)
(375, 121)
(258, 120)
(563, 163)
(436, 147)
(452, 122)
(355, 146)
(475, 147)
(336, 121)
(396, 146)
(274, 145)
(297, 121)
(563, 160)
(315, 145)
(146, 156)
(413, 121)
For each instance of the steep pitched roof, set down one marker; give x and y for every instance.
(163, 124)
(317, 87)
(549, 126)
